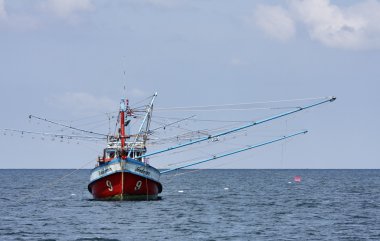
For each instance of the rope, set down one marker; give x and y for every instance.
(53, 182)
(239, 104)
(63, 125)
(56, 135)
(145, 99)
(236, 109)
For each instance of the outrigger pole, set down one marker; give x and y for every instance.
(330, 99)
(235, 152)
(67, 126)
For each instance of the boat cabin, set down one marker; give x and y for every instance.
(113, 150)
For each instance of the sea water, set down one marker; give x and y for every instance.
(195, 205)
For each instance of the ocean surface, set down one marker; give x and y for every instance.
(196, 205)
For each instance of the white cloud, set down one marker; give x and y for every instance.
(65, 8)
(80, 102)
(27, 18)
(3, 13)
(353, 27)
(19, 22)
(331, 25)
(275, 21)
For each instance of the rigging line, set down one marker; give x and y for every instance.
(196, 170)
(251, 103)
(199, 170)
(207, 120)
(216, 140)
(204, 132)
(139, 102)
(214, 143)
(55, 135)
(98, 123)
(94, 122)
(116, 124)
(141, 107)
(254, 123)
(53, 182)
(171, 177)
(63, 125)
(184, 136)
(225, 109)
(173, 123)
(89, 117)
(198, 148)
(235, 152)
(180, 128)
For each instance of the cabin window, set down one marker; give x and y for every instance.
(109, 154)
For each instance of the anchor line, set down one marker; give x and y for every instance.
(53, 182)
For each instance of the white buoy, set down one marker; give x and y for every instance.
(180, 191)
(73, 194)
(226, 188)
(290, 182)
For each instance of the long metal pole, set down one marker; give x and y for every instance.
(330, 99)
(235, 152)
(147, 113)
(142, 124)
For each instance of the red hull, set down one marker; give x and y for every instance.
(125, 186)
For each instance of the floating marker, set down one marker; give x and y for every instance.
(297, 178)
(226, 188)
(290, 182)
(180, 191)
(73, 194)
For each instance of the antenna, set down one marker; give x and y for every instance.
(124, 87)
(125, 80)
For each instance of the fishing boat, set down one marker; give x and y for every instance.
(123, 173)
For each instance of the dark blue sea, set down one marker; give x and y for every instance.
(196, 205)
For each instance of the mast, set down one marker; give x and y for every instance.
(124, 105)
(123, 108)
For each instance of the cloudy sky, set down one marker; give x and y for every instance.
(67, 59)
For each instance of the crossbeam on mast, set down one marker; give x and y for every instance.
(235, 152)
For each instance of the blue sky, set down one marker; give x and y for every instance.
(65, 60)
